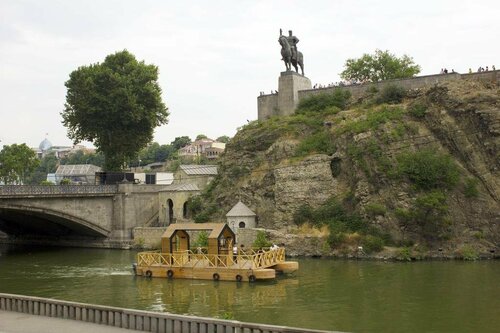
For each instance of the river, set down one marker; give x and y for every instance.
(354, 296)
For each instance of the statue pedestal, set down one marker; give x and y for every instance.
(288, 91)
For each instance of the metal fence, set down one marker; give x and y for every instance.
(135, 319)
(54, 190)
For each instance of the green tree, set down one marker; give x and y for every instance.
(201, 137)
(223, 138)
(379, 66)
(116, 105)
(154, 153)
(48, 164)
(17, 162)
(180, 141)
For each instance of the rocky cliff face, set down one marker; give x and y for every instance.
(357, 157)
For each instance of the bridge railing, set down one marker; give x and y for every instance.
(24, 190)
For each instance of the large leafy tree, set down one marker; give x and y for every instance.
(180, 141)
(154, 152)
(82, 157)
(116, 105)
(48, 164)
(381, 65)
(223, 138)
(16, 163)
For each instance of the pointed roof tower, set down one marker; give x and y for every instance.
(240, 210)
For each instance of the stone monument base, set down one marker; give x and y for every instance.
(289, 84)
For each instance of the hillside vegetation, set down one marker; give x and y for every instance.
(396, 173)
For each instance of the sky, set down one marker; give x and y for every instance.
(215, 57)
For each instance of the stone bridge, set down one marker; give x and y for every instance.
(90, 215)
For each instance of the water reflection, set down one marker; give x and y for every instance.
(357, 296)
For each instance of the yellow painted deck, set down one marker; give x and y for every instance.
(250, 266)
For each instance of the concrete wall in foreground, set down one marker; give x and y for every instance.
(146, 321)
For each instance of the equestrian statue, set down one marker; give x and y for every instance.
(289, 53)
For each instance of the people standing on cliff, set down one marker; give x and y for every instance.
(486, 69)
(470, 70)
(446, 71)
(493, 68)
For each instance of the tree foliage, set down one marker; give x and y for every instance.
(17, 162)
(81, 157)
(223, 138)
(201, 137)
(379, 66)
(116, 105)
(48, 164)
(180, 141)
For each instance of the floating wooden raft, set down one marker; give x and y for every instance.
(175, 260)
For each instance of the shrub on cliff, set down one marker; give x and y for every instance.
(320, 143)
(324, 102)
(429, 169)
(391, 94)
(427, 216)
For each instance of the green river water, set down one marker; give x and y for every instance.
(354, 296)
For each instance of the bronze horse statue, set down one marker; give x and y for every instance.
(286, 54)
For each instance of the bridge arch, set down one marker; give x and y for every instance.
(22, 220)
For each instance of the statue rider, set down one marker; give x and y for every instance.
(292, 40)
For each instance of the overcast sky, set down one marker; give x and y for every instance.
(214, 56)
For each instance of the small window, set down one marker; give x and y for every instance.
(241, 225)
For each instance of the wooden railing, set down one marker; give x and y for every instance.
(145, 321)
(258, 260)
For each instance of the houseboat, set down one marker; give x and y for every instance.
(216, 262)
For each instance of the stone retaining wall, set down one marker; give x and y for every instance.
(267, 105)
(148, 237)
(133, 319)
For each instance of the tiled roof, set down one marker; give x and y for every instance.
(240, 210)
(180, 188)
(216, 228)
(199, 169)
(77, 169)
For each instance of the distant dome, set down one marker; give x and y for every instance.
(45, 145)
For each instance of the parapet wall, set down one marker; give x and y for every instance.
(412, 83)
(268, 104)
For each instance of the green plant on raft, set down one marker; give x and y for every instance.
(201, 240)
(261, 240)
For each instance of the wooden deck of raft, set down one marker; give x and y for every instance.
(187, 264)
